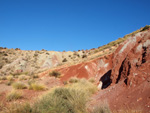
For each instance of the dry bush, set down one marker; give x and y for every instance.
(3, 78)
(14, 95)
(73, 80)
(18, 108)
(55, 74)
(37, 87)
(92, 80)
(23, 77)
(10, 78)
(19, 85)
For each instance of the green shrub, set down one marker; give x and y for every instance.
(19, 85)
(55, 74)
(14, 95)
(37, 87)
(73, 80)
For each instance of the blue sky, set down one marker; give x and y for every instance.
(69, 24)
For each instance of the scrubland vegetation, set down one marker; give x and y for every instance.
(71, 98)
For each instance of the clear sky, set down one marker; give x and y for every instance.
(69, 24)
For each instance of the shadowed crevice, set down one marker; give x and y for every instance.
(106, 79)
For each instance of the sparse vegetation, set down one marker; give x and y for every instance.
(92, 80)
(10, 78)
(85, 85)
(84, 56)
(36, 87)
(14, 95)
(31, 81)
(22, 77)
(18, 108)
(73, 80)
(62, 100)
(101, 109)
(70, 99)
(64, 60)
(3, 78)
(9, 83)
(19, 85)
(146, 28)
(65, 82)
(55, 74)
(34, 76)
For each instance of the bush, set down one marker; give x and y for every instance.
(92, 80)
(10, 78)
(37, 87)
(84, 56)
(62, 100)
(35, 76)
(145, 28)
(3, 78)
(18, 108)
(22, 77)
(101, 109)
(19, 85)
(55, 74)
(85, 85)
(14, 95)
(70, 99)
(9, 83)
(31, 81)
(65, 82)
(64, 60)
(73, 80)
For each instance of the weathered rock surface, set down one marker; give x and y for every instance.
(131, 61)
(129, 76)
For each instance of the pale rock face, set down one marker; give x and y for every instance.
(131, 41)
(106, 65)
(139, 48)
(147, 43)
(86, 67)
(100, 85)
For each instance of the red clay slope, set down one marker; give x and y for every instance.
(125, 74)
(95, 68)
(130, 76)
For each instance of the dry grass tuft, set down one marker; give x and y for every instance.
(19, 85)
(37, 87)
(14, 95)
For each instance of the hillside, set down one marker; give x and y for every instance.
(16, 60)
(119, 69)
